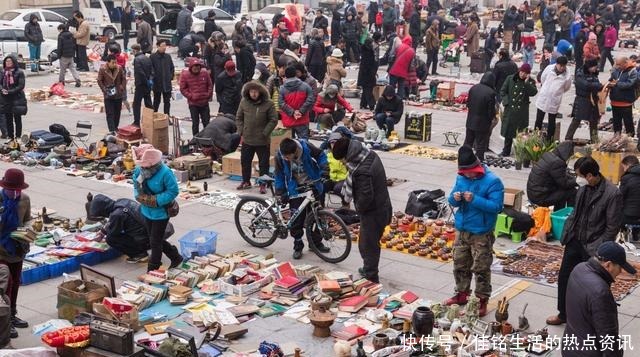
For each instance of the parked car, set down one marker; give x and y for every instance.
(267, 13)
(223, 19)
(18, 18)
(13, 40)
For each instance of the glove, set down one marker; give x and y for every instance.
(147, 200)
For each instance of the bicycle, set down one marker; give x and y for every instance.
(260, 221)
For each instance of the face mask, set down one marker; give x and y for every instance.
(581, 181)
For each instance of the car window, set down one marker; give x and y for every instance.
(9, 15)
(53, 17)
(28, 16)
(273, 10)
(20, 35)
(221, 15)
(6, 35)
(201, 14)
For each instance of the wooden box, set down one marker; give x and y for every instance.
(446, 91)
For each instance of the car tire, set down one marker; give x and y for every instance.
(110, 33)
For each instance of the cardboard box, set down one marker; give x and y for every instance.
(155, 128)
(377, 92)
(609, 162)
(231, 164)
(277, 135)
(446, 91)
(513, 198)
(78, 296)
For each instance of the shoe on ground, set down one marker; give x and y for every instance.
(244, 186)
(78, 84)
(263, 189)
(297, 254)
(482, 309)
(18, 322)
(459, 298)
(13, 332)
(138, 259)
(175, 262)
(322, 248)
(555, 320)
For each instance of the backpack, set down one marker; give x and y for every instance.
(62, 131)
(521, 222)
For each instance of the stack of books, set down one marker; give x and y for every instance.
(179, 294)
(353, 304)
(292, 287)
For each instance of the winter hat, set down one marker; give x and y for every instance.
(593, 36)
(341, 148)
(467, 159)
(337, 53)
(526, 68)
(13, 180)
(146, 155)
(230, 66)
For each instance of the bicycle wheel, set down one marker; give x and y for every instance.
(334, 234)
(256, 222)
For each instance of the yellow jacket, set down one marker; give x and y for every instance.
(337, 170)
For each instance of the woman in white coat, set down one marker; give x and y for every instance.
(555, 82)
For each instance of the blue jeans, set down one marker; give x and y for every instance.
(385, 122)
(549, 38)
(393, 81)
(34, 55)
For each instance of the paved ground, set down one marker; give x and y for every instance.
(429, 279)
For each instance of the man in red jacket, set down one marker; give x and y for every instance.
(296, 101)
(196, 86)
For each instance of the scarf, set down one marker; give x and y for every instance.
(352, 166)
(145, 174)
(7, 79)
(10, 222)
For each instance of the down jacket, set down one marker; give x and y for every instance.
(629, 184)
(553, 87)
(585, 106)
(550, 176)
(221, 130)
(33, 32)
(163, 71)
(596, 221)
(229, 91)
(197, 88)
(592, 313)
(370, 193)
(295, 95)
(624, 90)
(403, 57)
(482, 104)
(478, 216)
(325, 102)
(256, 119)
(163, 185)
(66, 44)
(395, 105)
(315, 165)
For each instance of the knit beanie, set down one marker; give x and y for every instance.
(466, 158)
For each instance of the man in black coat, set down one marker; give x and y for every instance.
(125, 24)
(246, 60)
(229, 89)
(315, 58)
(503, 69)
(210, 25)
(125, 230)
(629, 184)
(222, 130)
(481, 105)
(143, 82)
(549, 183)
(366, 186)
(33, 33)
(415, 30)
(66, 51)
(389, 109)
(595, 219)
(321, 22)
(592, 315)
(163, 71)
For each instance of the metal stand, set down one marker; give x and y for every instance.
(451, 138)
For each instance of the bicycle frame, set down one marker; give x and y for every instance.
(309, 199)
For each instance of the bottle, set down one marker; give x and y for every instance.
(205, 186)
(360, 350)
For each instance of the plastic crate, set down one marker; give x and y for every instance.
(109, 254)
(198, 243)
(90, 258)
(558, 218)
(503, 224)
(66, 266)
(34, 275)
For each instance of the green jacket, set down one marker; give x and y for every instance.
(256, 119)
(516, 94)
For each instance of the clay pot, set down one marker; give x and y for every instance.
(406, 245)
(404, 234)
(506, 328)
(496, 327)
(422, 252)
(439, 223)
(399, 246)
(422, 321)
(399, 214)
(412, 250)
(389, 245)
(410, 218)
(422, 245)
(380, 341)
(502, 316)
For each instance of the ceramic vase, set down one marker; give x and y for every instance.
(380, 341)
(422, 321)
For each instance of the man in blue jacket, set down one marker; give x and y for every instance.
(298, 163)
(478, 195)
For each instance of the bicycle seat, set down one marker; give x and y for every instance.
(266, 179)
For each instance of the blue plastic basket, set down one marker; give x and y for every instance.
(198, 243)
(89, 258)
(34, 275)
(558, 219)
(109, 254)
(68, 265)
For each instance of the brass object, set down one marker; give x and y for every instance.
(37, 224)
(79, 223)
(66, 224)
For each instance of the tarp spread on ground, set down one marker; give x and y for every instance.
(541, 262)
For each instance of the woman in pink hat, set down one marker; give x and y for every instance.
(156, 188)
(16, 210)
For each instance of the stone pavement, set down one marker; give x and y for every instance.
(427, 278)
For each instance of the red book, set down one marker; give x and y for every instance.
(287, 282)
(409, 297)
(329, 286)
(349, 333)
(285, 269)
(353, 304)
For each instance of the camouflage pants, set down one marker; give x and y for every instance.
(473, 254)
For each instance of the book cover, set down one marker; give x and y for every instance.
(353, 304)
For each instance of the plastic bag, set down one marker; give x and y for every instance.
(58, 89)
(422, 201)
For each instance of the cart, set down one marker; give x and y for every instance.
(445, 41)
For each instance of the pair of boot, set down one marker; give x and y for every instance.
(462, 297)
(173, 254)
(17, 322)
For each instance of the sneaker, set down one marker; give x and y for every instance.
(244, 186)
(263, 189)
(78, 84)
(460, 298)
(13, 333)
(18, 322)
(555, 320)
(138, 259)
(322, 248)
(297, 254)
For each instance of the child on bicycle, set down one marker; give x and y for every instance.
(299, 163)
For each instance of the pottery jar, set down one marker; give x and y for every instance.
(380, 341)
(507, 328)
(422, 321)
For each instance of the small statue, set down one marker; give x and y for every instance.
(360, 350)
(45, 216)
(66, 225)
(437, 310)
(385, 322)
(37, 224)
(79, 224)
(471, 311)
